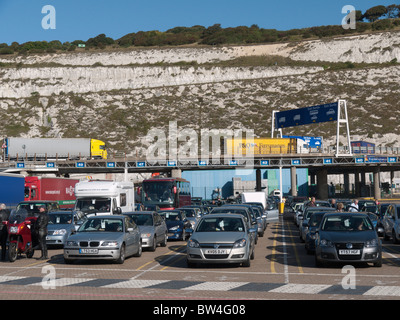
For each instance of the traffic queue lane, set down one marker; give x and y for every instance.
(281, 270)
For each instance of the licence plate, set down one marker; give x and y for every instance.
(349, 252)
(88, 251)
(216, 251)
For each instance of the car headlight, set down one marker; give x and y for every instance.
(193, 244)
(174, 228)
(72, 244)
(326, 243)
(371, 243)
(240, 243)
(109, 244)
(146, 235)
(59, 232)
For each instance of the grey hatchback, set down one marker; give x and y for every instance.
(347, 237)
(221, 238)
(153, 228)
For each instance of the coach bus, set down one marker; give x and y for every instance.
(166, 193)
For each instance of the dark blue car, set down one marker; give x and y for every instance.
(179, 228)
(313, 225)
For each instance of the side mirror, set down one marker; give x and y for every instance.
(117, 210)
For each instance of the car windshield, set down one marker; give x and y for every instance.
(102, 225)
(64, 218)
(189, 212)
(142, 219)
(315, 220)
(32, 208)
(93, 204)
(346, 223)
(220, 224)
(171, 216)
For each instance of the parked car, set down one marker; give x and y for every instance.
(347, 237)
(313, 225)
(308, 211)
(221, 238)
(152, 226)
(261, 223)
(244, 211)
(179, 228)
(61, 225)
(192, 214)
(110, 237)
(32, 206)
(391, 223)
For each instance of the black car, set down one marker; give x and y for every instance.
(347, 237)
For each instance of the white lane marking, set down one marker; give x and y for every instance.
(301, 288)
(135, 284)
(216, 286)
(62, 282)
(383, 291)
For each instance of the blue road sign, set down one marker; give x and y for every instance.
(20, 165)
(80, 164)
(171, 164)
(316, 114)
(328, 161)
(296, 162)
(140, 164)
(110, 164)
(50, 164)
(264, 162)
(202, 163)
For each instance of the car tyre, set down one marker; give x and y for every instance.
(164, 243)
(140, 250)
(394, 238)
(121, 258)
(154, 246)
(247, 263)
(318, 263)
(378, 263)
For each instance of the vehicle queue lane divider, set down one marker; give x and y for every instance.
(276, 227)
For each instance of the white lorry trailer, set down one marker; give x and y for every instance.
(104, 197)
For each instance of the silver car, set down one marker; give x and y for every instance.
(61, 225)
(110, 237)
(221, 238)
(152, 227)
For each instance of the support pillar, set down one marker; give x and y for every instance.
(176, 173)
(258, 180)
(346, 184)
(357, 184)
(293, 181)
(322, 184)
(377, 189)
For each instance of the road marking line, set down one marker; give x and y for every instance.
(273, 258)
(62, 282)
(301, 288)
(216, 286)
(135, 284)
(300, 268)
(383, 291)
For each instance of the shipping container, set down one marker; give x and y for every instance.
(263, 146)
(54, 189)
(11, 189)
(362, 147)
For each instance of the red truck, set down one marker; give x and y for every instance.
(55, 189)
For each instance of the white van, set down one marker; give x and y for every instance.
(104, 197)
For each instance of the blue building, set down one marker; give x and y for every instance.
(205, 183)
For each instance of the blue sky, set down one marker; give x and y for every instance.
(21, 20)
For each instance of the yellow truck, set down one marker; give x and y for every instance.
(263, 146)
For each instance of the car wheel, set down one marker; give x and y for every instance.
(121, 258)
(394, 238)
(191, 264)
(385, 236)
(252, 255)
(154, 246)
(378, 263)
(164, 243)
(247, 263)
(139, 252)
(318, 263)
